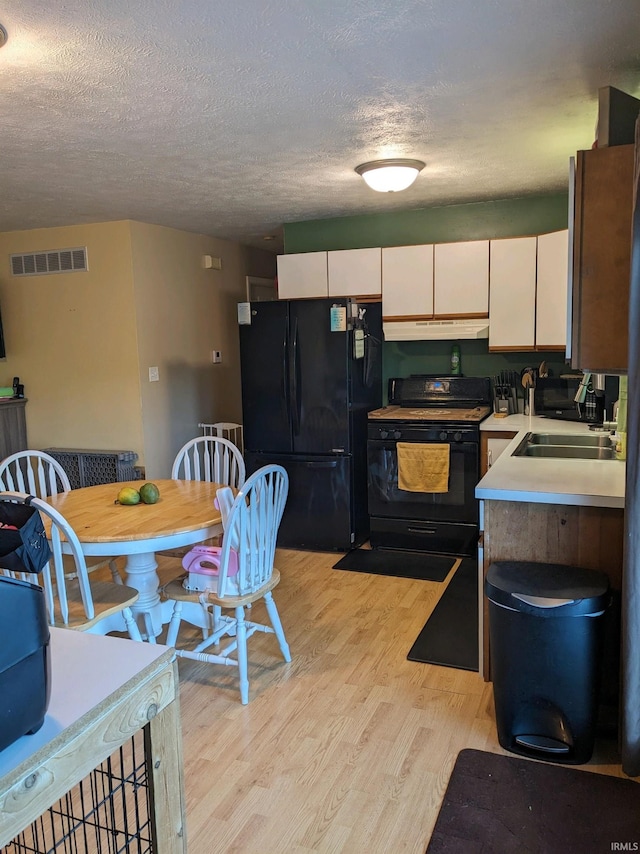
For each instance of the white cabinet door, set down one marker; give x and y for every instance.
(407, 282)
(512, 293)
(302, 275)
(551, 290)
(355, 272)
(494, 448)
(461, 278)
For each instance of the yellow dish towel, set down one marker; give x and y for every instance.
(423, 468)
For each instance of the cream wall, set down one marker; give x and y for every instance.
(82, 343)
(71, 338)
(184, 312)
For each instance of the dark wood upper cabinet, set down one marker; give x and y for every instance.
(602, 259)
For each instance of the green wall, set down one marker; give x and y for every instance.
(402, 358)
(476, 221)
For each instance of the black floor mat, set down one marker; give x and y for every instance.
(502, 804)
(403, 564)
(450, 635)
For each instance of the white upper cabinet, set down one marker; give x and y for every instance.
(512, 300)
(461, 279)
(551, 292)
(302, 275)
(355, 272)
(528, 292)
(407, 282)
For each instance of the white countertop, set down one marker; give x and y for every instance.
(594, 483)
(76, 658)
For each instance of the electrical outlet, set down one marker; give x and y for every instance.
(216, 357)
(154, 375)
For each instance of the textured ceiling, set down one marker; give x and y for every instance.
(232, 118)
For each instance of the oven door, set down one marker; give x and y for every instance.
(443, 522)
(459, 504)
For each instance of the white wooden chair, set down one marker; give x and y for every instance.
(73, 601)
(250, 529)
(39, 474)
(210, 458)
(226, 430)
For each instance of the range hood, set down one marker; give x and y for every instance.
(433, 330)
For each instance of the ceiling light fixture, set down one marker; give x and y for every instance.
(390, 176)
(3, 35)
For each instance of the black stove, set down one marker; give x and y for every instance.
(428, 410)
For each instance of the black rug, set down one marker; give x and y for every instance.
(498, 804)
(403, 564)
(450, 635)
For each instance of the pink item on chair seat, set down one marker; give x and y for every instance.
(202, 563)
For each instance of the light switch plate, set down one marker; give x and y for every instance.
(154, 375)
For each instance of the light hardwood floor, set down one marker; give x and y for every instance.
(349, 747)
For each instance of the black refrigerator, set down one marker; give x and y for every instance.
(311, 371)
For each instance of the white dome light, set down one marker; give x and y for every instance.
(390, 176)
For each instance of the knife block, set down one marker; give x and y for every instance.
(505, 405)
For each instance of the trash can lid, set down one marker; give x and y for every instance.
(557, 589)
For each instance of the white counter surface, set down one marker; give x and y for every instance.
(595, 483)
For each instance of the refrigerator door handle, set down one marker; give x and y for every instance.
(286, 379)
(324, 464)
(293, 381)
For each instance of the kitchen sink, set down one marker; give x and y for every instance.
(581, 440)
(566, 452)
(567, 446)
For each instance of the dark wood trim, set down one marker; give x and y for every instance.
(485, 435)
(630, 726)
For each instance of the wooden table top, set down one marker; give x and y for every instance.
(184, 505)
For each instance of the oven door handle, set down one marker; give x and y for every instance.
(413, 530)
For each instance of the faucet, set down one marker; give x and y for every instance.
(583, 388)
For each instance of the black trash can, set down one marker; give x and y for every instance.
(546, 638)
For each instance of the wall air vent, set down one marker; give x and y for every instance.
(53, 261)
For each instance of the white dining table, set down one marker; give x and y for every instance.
(185, 514)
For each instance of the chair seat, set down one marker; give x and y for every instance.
(176, 591)
(93, 564)
(108, 598)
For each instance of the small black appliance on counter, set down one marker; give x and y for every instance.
(555, 397)
(25, 667)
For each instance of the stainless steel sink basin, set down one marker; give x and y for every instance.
(582, 446)
(581, 440)
(566, 452)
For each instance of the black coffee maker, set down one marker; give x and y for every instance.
(18, 388)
